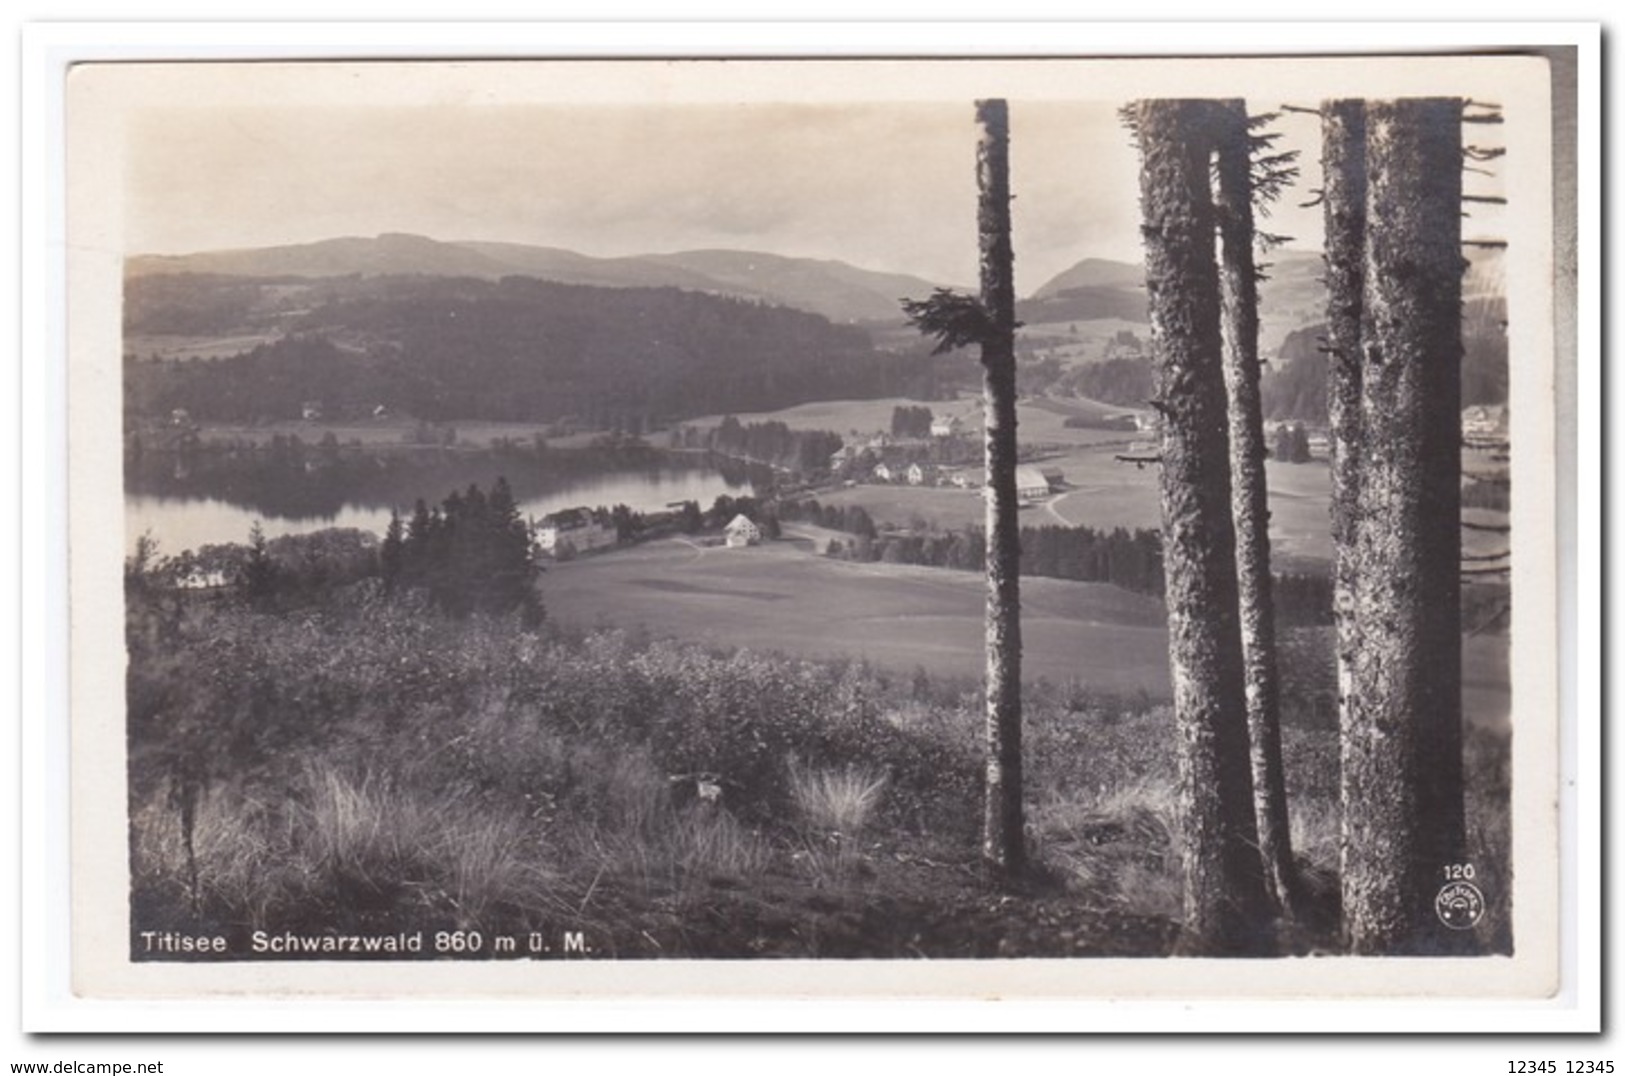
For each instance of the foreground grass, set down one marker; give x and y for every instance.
(367, 766)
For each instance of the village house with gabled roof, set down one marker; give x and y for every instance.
(741, 532)
(1030, 482)
(945, 426)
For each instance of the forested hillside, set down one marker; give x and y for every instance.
(1295, 388)
(514, 349)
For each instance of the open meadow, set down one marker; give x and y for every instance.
(782, 596)
(1037, 420)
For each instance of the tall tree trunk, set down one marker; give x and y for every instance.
(1343, 197)
(1249, 502)
(1003, 838)
(1225, 906)
(1402, 779)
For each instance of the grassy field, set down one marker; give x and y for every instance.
(1103, 492)
(1036, 420)
(781, 596)
(177, 348)
(1077, 342)
(778, 596)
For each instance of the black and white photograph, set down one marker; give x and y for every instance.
(1024, 527)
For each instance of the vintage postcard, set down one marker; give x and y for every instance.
(816, 528)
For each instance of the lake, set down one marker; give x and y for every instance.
(184, 505)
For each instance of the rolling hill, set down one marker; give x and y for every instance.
(838, 291)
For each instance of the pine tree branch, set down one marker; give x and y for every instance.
(955, 320)
(1486, 528)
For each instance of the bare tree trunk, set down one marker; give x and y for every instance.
(1225, 906)
(1003, 838)
(1250, 504)
(1343, 196)
(1402, 784)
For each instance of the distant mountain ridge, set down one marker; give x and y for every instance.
(1292, 295)
(834, 289)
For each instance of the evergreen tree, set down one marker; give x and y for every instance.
(260, 576)
(1403, 815)
(1249, 500)
(392, 553)
(989, 321)
(1225, 902)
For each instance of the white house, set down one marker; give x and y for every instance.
(1030, 482)
(945, 426)
(311, 410)
(921, 474)
(741, 532)
(882, 472)
(574, 531)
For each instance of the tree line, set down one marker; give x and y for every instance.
(773, 443)
(527, 350)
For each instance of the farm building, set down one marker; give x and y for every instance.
(1054, 477)
(573, 530)
(922, 474)
(1030, 482)
(883, 473)
(741, 532)
(311, 410)
(945, 426)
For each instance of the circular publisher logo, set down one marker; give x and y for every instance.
(1460, 905)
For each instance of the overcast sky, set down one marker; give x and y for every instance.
(888, 187)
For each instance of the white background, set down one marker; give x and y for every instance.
(26, 586)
